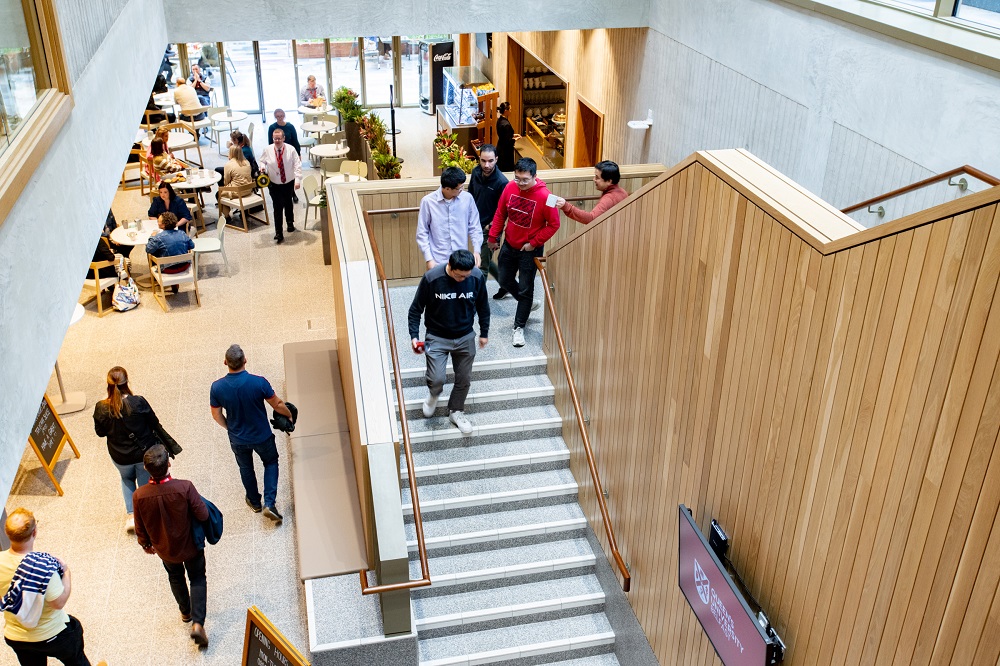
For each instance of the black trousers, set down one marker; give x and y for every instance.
(486, 263)
(281, 197)
(66, 646)
(521, 263)
(191, 603)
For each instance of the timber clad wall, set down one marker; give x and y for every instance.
(834, 404)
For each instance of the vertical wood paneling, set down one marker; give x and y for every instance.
(838, 413)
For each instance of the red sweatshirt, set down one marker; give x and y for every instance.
(609, 198)
(527, 218)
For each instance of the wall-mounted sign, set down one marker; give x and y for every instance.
(263, 644)
(725, 616)
(48, 436)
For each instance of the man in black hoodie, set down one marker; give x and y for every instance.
(449, 297)
(486, 185)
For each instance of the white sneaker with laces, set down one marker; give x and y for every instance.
(430, 404)
(518, 336)
(130, 524)
(535, 305)
(462, 422)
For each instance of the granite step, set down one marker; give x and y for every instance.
(493, 491)
(512, 392)
(597, 660)
(487, 419)
(578, 635)
(524, 365)
(444, 465)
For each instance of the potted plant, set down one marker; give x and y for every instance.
(451, 154)
(345, 101)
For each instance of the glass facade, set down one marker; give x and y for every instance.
(19, 85)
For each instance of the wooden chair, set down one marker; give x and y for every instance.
(187, 118)
(150, 125)
(306, 142)
(100, 284)
(217, 244)
(194, 206)
(331, 165)
(354, 167)
(245, 200)
(138, 166)
(193, 144)
(147, 174)
(329, 118)
(310, 188)
(163, 280)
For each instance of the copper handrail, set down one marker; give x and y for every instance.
(972, 171)
(418, 524)
(612, 542)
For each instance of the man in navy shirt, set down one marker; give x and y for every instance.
(242, 396)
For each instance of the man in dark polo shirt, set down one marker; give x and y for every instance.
(164, 511)
(241, 396)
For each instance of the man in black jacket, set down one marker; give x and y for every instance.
(449, 297)
(486, 185)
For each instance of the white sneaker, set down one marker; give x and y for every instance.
(518, 336)
(430, 404)
(463, 423)
(535, 305)
(130, 524)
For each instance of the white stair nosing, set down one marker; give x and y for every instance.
(517, 460)
(489, 396)
(500, 534)
(515, 571)
(499, 364)
(511, 611)
(445, 434)
(524, 651)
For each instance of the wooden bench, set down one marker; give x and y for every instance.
(328, 523)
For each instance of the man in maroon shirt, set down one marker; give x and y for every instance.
(164, 509)
(606, 177)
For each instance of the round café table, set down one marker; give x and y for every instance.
(136, 237)
(313, 111)
(175, 141)
(319, 127)
(343, 178)
(329, 150)
(163, 100)
(228, 117)
(197, 179)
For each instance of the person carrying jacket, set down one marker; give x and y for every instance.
(527, 221)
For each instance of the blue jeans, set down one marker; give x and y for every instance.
(268, 452)
(133, 476)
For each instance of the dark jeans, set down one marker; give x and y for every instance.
(486, 264)
(192, 603)
(463, 354)
(281, 197)
(268, 452)
(66, 646)
(513, 262)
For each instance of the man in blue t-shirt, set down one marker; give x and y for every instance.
(242, 396)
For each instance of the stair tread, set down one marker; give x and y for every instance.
(484, 414)
(491, 521)
(461, 454)
(509, 595)
(597, 660)
(488, 640)
(499, 557)
(491, 485)
(482, 386)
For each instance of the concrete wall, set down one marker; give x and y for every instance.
(49, 238)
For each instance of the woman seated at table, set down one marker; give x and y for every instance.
(160, 115)
(162, 161)
(103, 253)
(169, 241)
(169, 202)
(236, 173)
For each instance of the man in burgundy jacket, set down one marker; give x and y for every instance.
(606, 177)
(527, 221)
(164, 509)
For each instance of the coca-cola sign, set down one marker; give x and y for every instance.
(723, 613)
(443, 57)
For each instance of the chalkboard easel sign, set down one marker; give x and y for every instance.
(263, 644)
(47, 438)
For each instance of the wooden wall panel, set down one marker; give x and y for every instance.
(835, 405)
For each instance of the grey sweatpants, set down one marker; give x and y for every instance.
(463, 353)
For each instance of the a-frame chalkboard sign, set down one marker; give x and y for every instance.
(263, 644)
(47, 438)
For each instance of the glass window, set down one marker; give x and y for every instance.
(345, 70)
(277, 75)
(924, 6)
(410, 63)
(310, 57)
(19, 85)
(241, 77)
(378, 70)
(984, 12)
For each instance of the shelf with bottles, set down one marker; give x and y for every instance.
(548, 139)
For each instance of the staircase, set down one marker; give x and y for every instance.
(514, 576)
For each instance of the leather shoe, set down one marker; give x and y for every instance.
(291, 229)
(279, 239)
(273, 514)
(185, 618)
(198, 635)
(500, 294)
(256, 508)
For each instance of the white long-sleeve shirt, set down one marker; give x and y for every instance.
(293, 164)
(446, 225)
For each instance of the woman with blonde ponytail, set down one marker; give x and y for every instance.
(131, 427)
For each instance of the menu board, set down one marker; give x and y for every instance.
(47, 438)
(263, 644)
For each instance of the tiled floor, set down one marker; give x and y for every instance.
(275, 295)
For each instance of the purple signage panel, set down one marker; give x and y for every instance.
(724, 615)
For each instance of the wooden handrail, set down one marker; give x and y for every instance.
(599, 489)
(418, 524)
(972, 171)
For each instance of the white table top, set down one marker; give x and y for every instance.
(343, 178)
(141, 235)
(164, 99)
(78, 312)
(329, 150)
(229, 116)
(314, 110)
(197, 178)
(319, 126)
(174, 140)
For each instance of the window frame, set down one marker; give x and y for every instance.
(52, 108)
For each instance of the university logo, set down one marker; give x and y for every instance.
(701, 582)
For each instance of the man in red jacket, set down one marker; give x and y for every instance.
(528, 218)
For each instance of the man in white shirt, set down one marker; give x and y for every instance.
(282, 165)
(448, 220)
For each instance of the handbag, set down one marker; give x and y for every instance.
(168, 442)
(126, 295)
